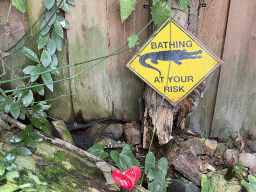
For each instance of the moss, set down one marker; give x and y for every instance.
(60, 156)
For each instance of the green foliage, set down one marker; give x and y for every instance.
(42, 124)
(184, 4)
(126, 8)
(156, 173)
(20, 5)
(125, 159)
(251, 185)
(240, 169)
(98, 150)
(163, 15)
(207, 185)
(132, 41)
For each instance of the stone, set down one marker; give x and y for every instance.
(132, 133)
(63, 131)
(195, 143)
(116, 129)
(182, 185)
(231, 156)
(221, 148)
(210, 145)
(247, 159)
(204, 168)
(95, 129)
(222, 185)
(252, 171)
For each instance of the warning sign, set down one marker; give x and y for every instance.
(191, 62)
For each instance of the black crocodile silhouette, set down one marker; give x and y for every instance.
(177, 55)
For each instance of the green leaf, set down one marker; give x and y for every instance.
(9, 157)
(65, 8)
(35, 137)
(47, 79)
(49, 3)
(39, 89)
(20, 5)
(44, 107)
(46, 58)
(2, 177)
(51, 70)
(58, 29)
(132, 41)
(45, 28)
(150, 162)
(230, 174)
(2, 169)
(156, 181)
(11, 167)
(29, 142)
(41, 124)
(51, 47)
(155, 1)
(205, 183)
(251, 186)
(38, 69)
(23, 112)
(30, 54)
(125, 160)
(28, 99)
(161, 16)
(50, 15)
(28, 70)
(42, 41)
(22, 151)
(15, 110)
(58, 41)
(239, 168)
(37, 107)
(28, 129)
(126, 8)
(163, 165)
(8, 103)
(18, 137)
(64, 23)
(98, 150)
(54, 60)
(184, 4)
(71, 2)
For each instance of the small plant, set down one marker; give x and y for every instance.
(155, 171)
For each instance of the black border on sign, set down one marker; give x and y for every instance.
(190, 35)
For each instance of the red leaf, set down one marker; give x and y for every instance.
(127, 179)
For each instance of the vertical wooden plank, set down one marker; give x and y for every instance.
(236, 98)
(109, 89)
(10, 33)
(211, 32)
(60, 99)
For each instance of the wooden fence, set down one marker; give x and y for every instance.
(227, 27)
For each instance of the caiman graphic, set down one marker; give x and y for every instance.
(177, 55)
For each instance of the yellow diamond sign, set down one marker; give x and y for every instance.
(191, 62)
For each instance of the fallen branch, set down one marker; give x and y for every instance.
(70, 147)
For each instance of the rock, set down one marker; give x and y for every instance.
(210, 146)
(132, 133)
(116, 129)
(231, 156)
(204, 168)
(222, 185)
(95, 129)
(253, 146)
(182, 185)
(63, 131)
(195, 143)
(247, 159)
(252, 171)
(221, 148)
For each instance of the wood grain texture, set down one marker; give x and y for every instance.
(10, 33)
(211, 32)
(108, 89)
(236, 98)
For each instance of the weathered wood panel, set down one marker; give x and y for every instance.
(108, 89)
(236, 98)
(61, 106)
(211, 32)
(10, 33)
